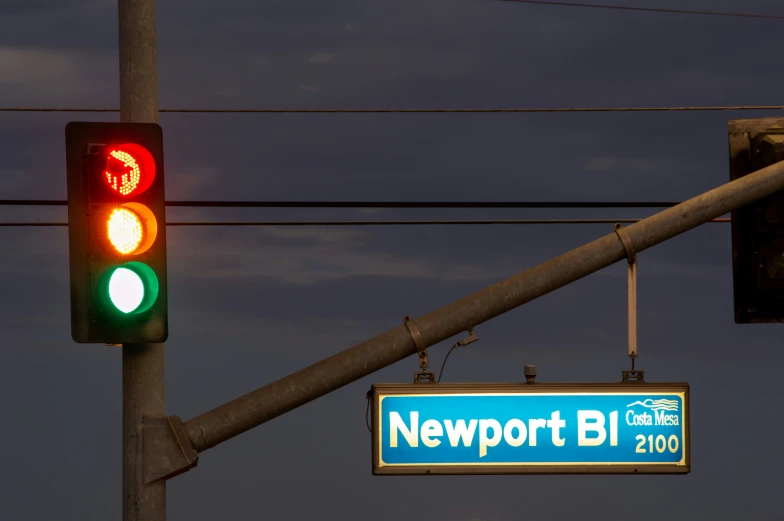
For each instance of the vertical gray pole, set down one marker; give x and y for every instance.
(142, 363)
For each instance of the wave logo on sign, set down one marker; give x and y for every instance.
(657, 405)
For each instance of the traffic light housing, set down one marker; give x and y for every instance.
(116, 232)
(757, 228)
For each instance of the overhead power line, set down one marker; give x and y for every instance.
(652, 9)
(373, 223)
(418, 111)
(376, 204)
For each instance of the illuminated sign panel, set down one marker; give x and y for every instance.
(528, 429)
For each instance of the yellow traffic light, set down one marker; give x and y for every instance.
(131, 228)
(125, 230)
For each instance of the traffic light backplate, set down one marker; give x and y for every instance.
(757, 228)
(117, 232)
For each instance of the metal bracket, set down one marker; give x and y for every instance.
(422, 376)
(633, 376)
(166, 449)
(470, 339)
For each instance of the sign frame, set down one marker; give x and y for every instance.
(379, 391)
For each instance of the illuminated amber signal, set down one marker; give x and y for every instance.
(130, 229)
(130, 169)
(125, 230)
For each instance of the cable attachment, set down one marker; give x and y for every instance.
(470, 339)
(422, 376)
(631, 257)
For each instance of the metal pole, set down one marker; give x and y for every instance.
(270, 401)
(143, 383)
(142, 398)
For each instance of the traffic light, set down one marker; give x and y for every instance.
(116, 232)
(757, 228)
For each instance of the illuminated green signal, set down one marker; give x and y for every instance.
(131, 288)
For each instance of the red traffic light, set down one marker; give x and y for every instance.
(130, 169)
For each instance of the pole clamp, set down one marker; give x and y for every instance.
(413, 330)
(423, 375)
(167, 450)
(626, 241)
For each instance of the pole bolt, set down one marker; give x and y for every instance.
(530, 373)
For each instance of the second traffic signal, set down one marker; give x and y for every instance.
(117, 232)
(757, 228)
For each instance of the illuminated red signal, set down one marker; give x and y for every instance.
(130, 169)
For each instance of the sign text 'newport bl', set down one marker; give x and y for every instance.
(529, 429)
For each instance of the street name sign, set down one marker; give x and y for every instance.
(495, 428)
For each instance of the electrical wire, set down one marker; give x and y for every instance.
(443, 364)
(651, 9)
(415, 111)
(375, 204)
(373, 223)
(367, 412)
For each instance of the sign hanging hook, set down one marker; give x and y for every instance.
(631, 257)
(423, 376)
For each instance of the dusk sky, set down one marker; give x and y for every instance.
(250, 305)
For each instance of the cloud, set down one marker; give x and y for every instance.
(37, 8)
(322, 58)
(605, 163)
(312, 256)
(228, 92)
(49, 76)
(188, 181)
(301, 330)
(12, 180)
(320, 235)
(35, 69)
(32, 253)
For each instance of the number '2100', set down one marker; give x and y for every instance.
(660, 443)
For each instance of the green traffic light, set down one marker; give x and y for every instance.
(126, 290)
(132, 288)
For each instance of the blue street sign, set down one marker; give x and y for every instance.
(540, 428)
